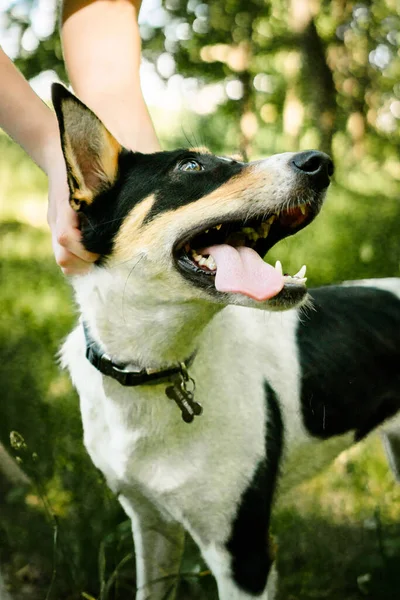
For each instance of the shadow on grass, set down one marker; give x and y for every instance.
(348, 561)
(38, 402)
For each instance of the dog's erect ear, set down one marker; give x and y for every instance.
(90, 151)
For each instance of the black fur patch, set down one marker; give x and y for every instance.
(349, 351)
(249, 540)
(141, 175)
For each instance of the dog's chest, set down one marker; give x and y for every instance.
(136, 436)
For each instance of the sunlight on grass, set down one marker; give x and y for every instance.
(13, 245)
(351, 486)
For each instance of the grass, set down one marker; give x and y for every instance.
(66, 537)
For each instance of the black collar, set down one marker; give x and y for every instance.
(133, 377)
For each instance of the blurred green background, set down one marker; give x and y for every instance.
(259, 77)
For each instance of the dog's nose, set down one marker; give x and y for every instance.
(317, 165)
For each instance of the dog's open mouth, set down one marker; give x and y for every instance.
(230, 254)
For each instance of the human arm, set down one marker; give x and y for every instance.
(34, 127)
(101, 45)
(26, 118)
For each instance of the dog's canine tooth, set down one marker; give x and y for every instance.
(218, 227)
(303, 209)
(270, 220)
(278, 267)
(202, 261)
(301, 273)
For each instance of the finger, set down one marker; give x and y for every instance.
(70, 240)
(69, 235)
(64, 224)
(69, 263)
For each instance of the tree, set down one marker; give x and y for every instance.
(307, 70)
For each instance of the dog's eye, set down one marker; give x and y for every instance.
(190, 165)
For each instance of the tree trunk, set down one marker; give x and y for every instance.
(315, 80)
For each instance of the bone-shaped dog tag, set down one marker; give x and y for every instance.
(184, 399)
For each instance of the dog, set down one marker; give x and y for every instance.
(203, 372)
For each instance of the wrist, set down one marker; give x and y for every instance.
(52, 160)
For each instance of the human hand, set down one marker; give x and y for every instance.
(34, 126)
(69, 252)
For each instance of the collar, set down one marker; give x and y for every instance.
(135, 376)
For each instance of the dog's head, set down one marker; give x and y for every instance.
(191, 225)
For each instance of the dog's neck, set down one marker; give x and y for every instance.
(137, 330)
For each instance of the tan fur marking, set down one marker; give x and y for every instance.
(201, 150)
(130, 230)
(166, 228)
(109, 155)
(90, 151)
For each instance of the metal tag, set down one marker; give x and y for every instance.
(184, 398)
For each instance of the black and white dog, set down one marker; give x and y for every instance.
(198, 394)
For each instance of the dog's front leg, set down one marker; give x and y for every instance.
(158, 549)
(220, 562)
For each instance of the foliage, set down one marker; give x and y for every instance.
(302, 67)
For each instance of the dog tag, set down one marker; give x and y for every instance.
(184, 399)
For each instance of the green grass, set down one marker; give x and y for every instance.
(67, 538)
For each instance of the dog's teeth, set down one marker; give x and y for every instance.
(264, 229)
(301, 273)
(271, 220)
(218, 227)
(207, 231)
(247, 230)
(202, 261)
(278, 267)
(210, 263)
(303, 209)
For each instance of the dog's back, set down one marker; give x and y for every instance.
(349, 351)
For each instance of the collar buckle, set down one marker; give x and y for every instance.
(105, 365)
(112, 370)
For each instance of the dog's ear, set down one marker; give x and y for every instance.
(90, 151)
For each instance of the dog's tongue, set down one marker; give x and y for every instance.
(242, 270)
